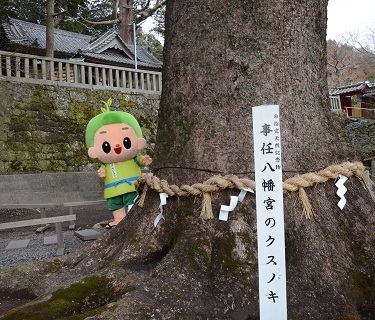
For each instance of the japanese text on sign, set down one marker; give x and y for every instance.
(270, 212)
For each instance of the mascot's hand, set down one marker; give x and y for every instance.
(101, 173)
(146, 160)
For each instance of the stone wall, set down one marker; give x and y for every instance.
(42, 128)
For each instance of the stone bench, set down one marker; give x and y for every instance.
(47, 190)
(33, 222)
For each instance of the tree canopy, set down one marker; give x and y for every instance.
(35, 11)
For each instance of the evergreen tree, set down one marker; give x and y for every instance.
(217, 66)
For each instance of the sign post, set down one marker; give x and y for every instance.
(270, 212)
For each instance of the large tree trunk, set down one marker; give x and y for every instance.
(126, 20)
(50, 28)
(222, 58)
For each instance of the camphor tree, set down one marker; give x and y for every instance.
(221, 58)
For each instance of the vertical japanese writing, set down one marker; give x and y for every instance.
(270, 212)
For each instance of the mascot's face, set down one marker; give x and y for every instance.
(115, 143)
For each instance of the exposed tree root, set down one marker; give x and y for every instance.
(191, 268)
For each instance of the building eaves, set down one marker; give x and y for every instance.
(109, 40)
(120, 60)
(353, 88)
(100, 42)
(145, 55)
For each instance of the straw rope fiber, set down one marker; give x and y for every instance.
(217, 183)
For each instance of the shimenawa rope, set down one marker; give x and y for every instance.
(217, 183)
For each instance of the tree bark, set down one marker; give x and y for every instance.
(50, 28)
(222, 58)
(258, 53)
(126, 20)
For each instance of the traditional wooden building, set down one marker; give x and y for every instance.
(104, 62)
(108, 49)
(342, 99)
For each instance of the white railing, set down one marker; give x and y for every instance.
(357, 112)
(71, 73)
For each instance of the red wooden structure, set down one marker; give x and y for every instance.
(346, 94)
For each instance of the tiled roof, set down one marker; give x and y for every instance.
(144, 54)
(370, 92)
(100, 43)
(352, 88)
(32, 35)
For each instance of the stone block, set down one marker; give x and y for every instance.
(50, 240)
(88, 234)
(18, 244)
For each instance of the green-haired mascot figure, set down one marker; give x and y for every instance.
(114, 138)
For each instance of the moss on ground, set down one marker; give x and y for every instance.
(76, 302)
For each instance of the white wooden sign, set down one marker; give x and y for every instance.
(270, 212)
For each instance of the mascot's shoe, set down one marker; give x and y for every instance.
(109, 226)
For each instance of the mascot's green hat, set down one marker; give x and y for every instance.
(110, 117)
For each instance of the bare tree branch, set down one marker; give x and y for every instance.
(96, 23)
(60, 16)
(359, 45)
(60, 13)
(144, 13)
(366, 51)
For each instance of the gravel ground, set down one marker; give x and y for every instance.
(87, 218)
